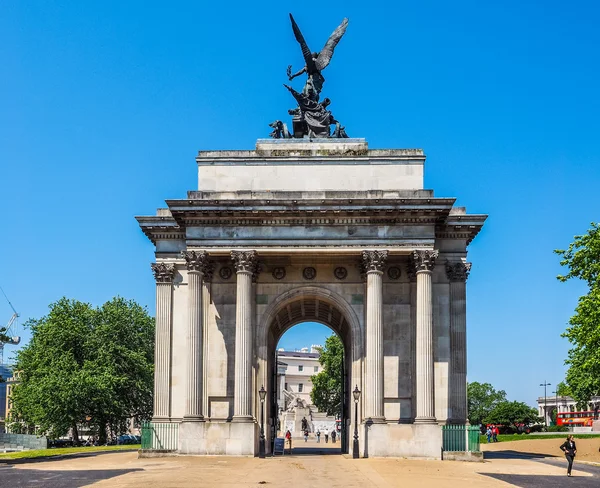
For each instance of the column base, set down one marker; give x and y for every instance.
(376, 420)
(242, 419)
(161, 418)
(193, 418)
(425, 420)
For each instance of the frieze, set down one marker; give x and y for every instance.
(278, 273)
(163, 272)
(393, 272)
(457, 271)
(309, 273)
(424, 260)
(374, 260)
(340, 273)
(225, 272)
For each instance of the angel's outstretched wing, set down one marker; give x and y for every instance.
(327, 51)
(310, 64)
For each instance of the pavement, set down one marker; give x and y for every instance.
(309, 465)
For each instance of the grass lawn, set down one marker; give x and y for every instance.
(531, 437)
(63, 450)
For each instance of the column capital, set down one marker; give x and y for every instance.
(245, 261)
(163, 272)
(199, 261)
(373, 260)
(424, 260)
(457, 271)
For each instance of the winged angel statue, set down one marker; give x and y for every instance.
(311, 118)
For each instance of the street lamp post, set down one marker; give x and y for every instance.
(356, 395)
(261, 443)
(544, 384)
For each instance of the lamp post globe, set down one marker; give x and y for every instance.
(261, 444)
(356, 395)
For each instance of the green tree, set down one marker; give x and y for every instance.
(512, 414)
(481, 400)
(562, 389)
(326, 393)
(582, 259)
(86, 366)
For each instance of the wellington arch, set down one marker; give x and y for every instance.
(323, 230)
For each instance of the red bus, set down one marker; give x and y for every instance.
(576, 419)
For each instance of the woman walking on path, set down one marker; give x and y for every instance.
(570, 450)
(288, 436)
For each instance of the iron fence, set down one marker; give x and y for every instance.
(159, 436)
(464, 438)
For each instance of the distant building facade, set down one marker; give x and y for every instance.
(6, 374)
(547, 405)
(294, 371)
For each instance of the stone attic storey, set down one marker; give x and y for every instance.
(323, 230)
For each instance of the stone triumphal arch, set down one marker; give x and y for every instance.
(326, 230)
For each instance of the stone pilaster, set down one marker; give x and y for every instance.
(457, 273)
(423, 262)
(198, 264)
(373, 263)
(246, 265)
(164, 274)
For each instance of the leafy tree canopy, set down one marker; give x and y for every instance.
(86, 366)
(582, 259)
(513, 414)
(481, 400)
(562, 389)
(326, 393)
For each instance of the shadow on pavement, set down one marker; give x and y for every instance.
(512, 455)
(537, 481)
(45, 459)
(314, 451)
(25, 478)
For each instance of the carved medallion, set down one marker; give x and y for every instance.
(225, 272)
(279, 273)
(309, 273)
(340, 273)
(393, 272)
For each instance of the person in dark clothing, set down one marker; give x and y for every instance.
(570, 451)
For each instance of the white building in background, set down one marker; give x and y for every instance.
(294, 370)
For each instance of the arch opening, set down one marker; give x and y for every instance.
(311, 305)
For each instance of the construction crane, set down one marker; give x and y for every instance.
(14, 340)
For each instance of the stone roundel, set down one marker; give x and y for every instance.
(225, 272)
(393, 272)
(340, 273)
(279, 273)
(309, 273)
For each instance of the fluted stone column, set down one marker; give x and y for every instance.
(198, 265)
(246, 265)
(373, 263)
(458, 273)
(424, 261)
(164, 274)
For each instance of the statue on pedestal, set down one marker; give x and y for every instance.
(311, 118)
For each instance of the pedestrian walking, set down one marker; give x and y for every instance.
(333, 436)
(495, 433)
(326, 437)
(569, 448)
(488, 434)
(306, 436)
(288, 437)
(318, 436)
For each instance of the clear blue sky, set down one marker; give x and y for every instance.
(104, 105)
